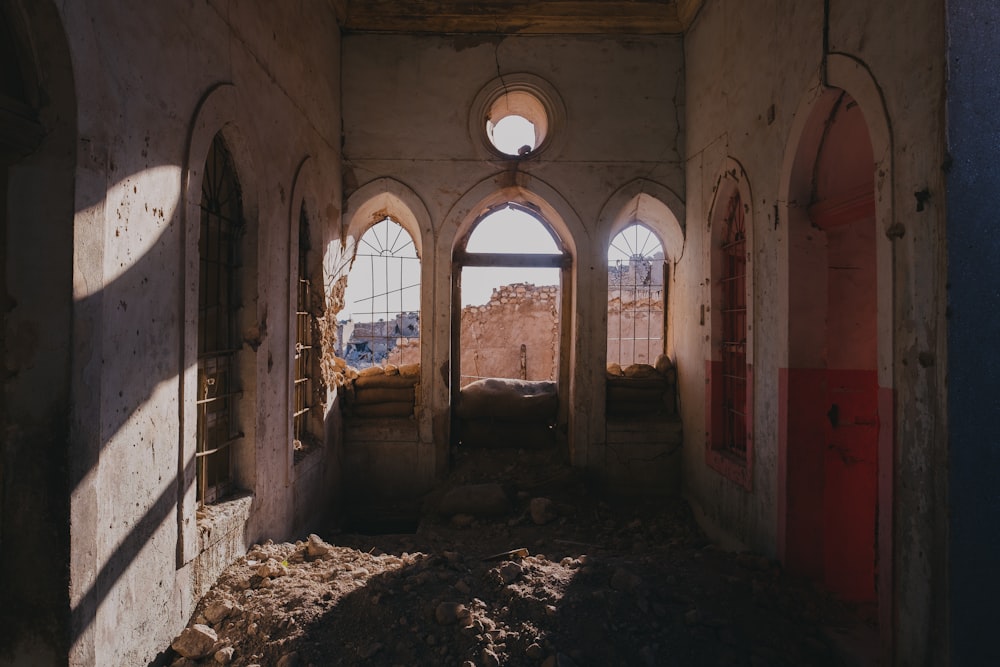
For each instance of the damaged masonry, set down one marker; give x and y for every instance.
(549, 333)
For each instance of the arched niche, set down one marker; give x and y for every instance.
(835, 519)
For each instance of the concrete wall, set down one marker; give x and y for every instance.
(153, 84)
(410, 146)
(752, 76)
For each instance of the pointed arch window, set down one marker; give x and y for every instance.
(220, 250)
(381, 316)
(734, 330)
(636, 296)
(509, 271)
(729, 398)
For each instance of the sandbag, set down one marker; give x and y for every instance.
(615, 370)
(385, 382)
(410, 370)
(629, 394)
(370, 395)
(636, 408)
(640, 383)
(509, 399)
(663, 364)
(398, 409)
(641, 371)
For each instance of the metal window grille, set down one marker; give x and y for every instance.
(219, 249)
(636, 297)
(304, 355)
(734, 329)
(387, 329)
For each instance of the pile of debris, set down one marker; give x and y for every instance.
(499, 573)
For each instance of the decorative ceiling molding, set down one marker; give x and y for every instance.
(622, 17)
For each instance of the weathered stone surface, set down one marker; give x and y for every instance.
(489, 658)
(316, 547)
(476, 500)
(224, 656)
(510, 572)
(195, 642)
(217, 612)
(272, 568)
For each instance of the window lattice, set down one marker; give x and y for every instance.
(304, 389)
(219, 249)
(734, 329)
(383, 299)
(636, 297)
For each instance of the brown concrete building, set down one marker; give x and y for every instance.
(184, 188)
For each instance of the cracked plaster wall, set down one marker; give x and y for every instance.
(740, 62)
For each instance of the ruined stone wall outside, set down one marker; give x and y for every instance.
(493, 334)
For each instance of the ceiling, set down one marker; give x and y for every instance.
(614, 17)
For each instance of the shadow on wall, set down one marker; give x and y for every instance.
(113, 346)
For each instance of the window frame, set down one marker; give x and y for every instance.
(663, 298)
(387, 335)
(308, 389)
(722, 395)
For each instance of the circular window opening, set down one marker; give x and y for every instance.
(517, 124)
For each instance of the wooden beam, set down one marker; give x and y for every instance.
(687, 10)
(640, 17)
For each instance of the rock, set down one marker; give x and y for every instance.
(691, 617)
(487, 500)
(510, 572)
(448, 613)
(218, 612)
(534, 651)
(289, 660)
(489, 658)
(316, 547)
(272, 568)
(196, 642)
(542, 511)
(224, 656)
(462, 586)
(462, 520)
(623, 580)
(184, 662)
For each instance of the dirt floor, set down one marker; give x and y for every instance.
(560, 578)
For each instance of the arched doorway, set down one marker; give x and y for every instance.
(830, 416)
